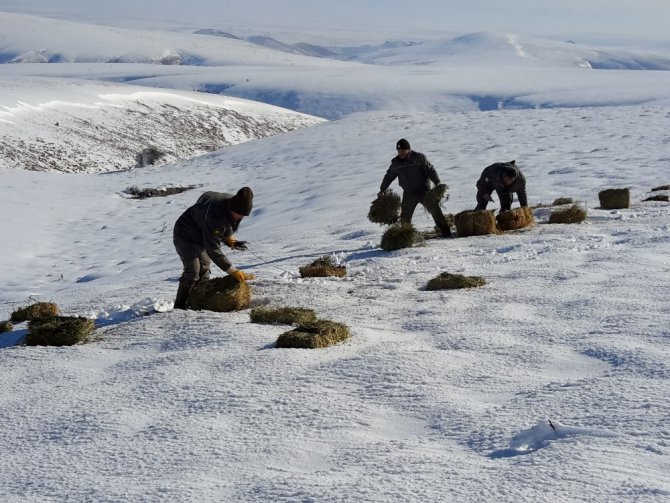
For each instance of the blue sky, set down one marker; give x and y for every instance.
(553, 18)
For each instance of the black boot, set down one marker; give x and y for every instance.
(182, 296)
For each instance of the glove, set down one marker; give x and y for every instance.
(381, 193)
(237, 274)
(234, 244)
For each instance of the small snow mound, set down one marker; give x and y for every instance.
(121, 313)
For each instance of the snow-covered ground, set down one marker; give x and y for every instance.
(550, 383)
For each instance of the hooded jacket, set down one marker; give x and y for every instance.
(413, 174)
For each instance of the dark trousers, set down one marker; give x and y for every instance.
(409, 204)
(196, 267)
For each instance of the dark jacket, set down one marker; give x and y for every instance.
(206, 225)
(491, 180)
(413, 173)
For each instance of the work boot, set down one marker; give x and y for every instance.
(182, 296)
(445, 231)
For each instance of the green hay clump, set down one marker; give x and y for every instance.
(614, 199)
(6, 326)
(448, 281)
(399, 236)
(661, 187)
(572, 215)
(436, 196)
(221, 295)
(316, 334)
(35, 311)
(518, 218)
(323, 267)
(658, 197)
(137, 193)
(475, 223)
(282, 315)
(59, 331)
(559, 201)
(385, 210)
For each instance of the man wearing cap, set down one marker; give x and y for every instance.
(414, 173)
(199, 233)
(505, 178)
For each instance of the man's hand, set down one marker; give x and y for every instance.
(381, 193)
(237, 274)
(240, 245)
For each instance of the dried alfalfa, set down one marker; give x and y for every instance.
(221, 294)
(436, 196)
(399, 236)
(323, 267)
(614, 199)
(59, 331)
(560, 201)
(658, 197)
(6, 326)
(518, 218)
(282, 315)
(475, 223)
(35, 311)
(385, 210)
(448, 281)
(661, 187)
(316, 334)
(572, 215)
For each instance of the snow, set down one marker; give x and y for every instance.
(550, 383)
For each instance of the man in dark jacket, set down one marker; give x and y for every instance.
(199, 233)
(414, 173)
(505, 178)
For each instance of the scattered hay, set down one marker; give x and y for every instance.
(399, 236)
(559, 201)
(316, 334)
(282, 315)
(436, 196)
(6, 326)
(449, 217)
(385, 210)
(572, 215)
(35, 311)
(475, 223)
(658, 197)
(137, 193)
(323, 267)
(518, 218)
(661, 187)
(614, 199)
(59, 331)
(448, 281)
(220, 294)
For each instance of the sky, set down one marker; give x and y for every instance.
(420, 18)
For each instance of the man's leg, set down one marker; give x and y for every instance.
(506, 199)
(205, 266)
(190, 258)
(439, 218)
(482, 200)
(407, 207)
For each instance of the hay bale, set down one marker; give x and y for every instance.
(572, 215)
(6, 326)
(661, 187)
(316, 334)
(385, 210)
(323, 267)
(658, 197)
(518, 218)
(436, 196)
(614, 199)
(221, 295)
(35, 311)
(475, 223)
(59, 331)
(448, 281)
(282, 315)
(559, 201)
(399, 236)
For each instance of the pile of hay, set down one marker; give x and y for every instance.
(399, 236)
(661, 187)
(518, 218)
(572, 215)
(436, 196)
(221, 295)
(475, 223)
(35, 311)
(323, 267)
(448, 281)
(614, 199)
(316, 334)
(6, 326)
(559, 201)
(385, 210)
(59, 331)
(658, 197)
(282, 315)
(137, 193)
